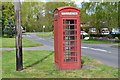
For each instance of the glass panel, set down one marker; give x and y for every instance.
(69, 27)
(72, 27)
(73, 49)
(70, 43)
(70, 48)
(67, 59)
(70, 59)
(66, 38)
(70, 21)
(73, 54)
(66, 43)
(73, 43)
(70, 38)
(70, 54)
(70, 32)
(67, 54)
(67, 33)
(67, 48)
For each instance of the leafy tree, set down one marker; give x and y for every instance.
(0, 20)
(37, 14)
(32, 16)
(119, 14)
(49, 8)
(10, 28)
(7, 12)
(84, 17)
(102, 14)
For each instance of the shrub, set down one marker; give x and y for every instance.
(97, 35)
(110, 36)
(116, 35)
(83, 36)
(9, 28)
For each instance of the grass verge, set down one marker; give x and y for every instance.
(49, 34)
(116, 45)
(95, 41)
(10, 43)
(40, 64)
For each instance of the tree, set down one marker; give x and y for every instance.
(0, 19)
(102, 14)
(7, 12)
(49, 8)
(37, 14)
(32, 16)
(84, 17)
(119, 18)
(9, 28)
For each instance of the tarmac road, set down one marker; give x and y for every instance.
(103, 52)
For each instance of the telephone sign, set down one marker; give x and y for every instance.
(69, 13)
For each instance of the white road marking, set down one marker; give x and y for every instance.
(96, 49)
(41, 39)
(28, 35)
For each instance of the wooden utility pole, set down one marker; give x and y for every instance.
(119, 15)
(19, 62)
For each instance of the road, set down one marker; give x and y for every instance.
(103, 52)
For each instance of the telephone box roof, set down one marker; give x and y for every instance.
(65, 7)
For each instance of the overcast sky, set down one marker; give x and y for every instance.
(76, 1)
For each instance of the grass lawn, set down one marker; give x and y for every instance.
(0, 42)
(95, 41)
(115, 46)
(49, 34)
(40, 64)
(10, 43)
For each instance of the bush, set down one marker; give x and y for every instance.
(97, 35)
(116, 35)
(83, 36)
(9, 28)
(110, 36)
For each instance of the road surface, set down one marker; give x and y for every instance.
(103, 52)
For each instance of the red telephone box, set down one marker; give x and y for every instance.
(67, 38)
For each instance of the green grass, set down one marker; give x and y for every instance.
(40, 64)
(115, 46)
(95, 41)
(10, 43)
(49, 34)
(0, 42)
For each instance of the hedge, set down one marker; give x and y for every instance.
(108, 36)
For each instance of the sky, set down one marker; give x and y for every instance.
(76, 1)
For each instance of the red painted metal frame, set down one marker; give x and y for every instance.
(59, 56)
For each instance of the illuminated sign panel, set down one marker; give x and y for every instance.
(69, 13)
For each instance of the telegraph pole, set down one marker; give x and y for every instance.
(119, 16)
(19, 62)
